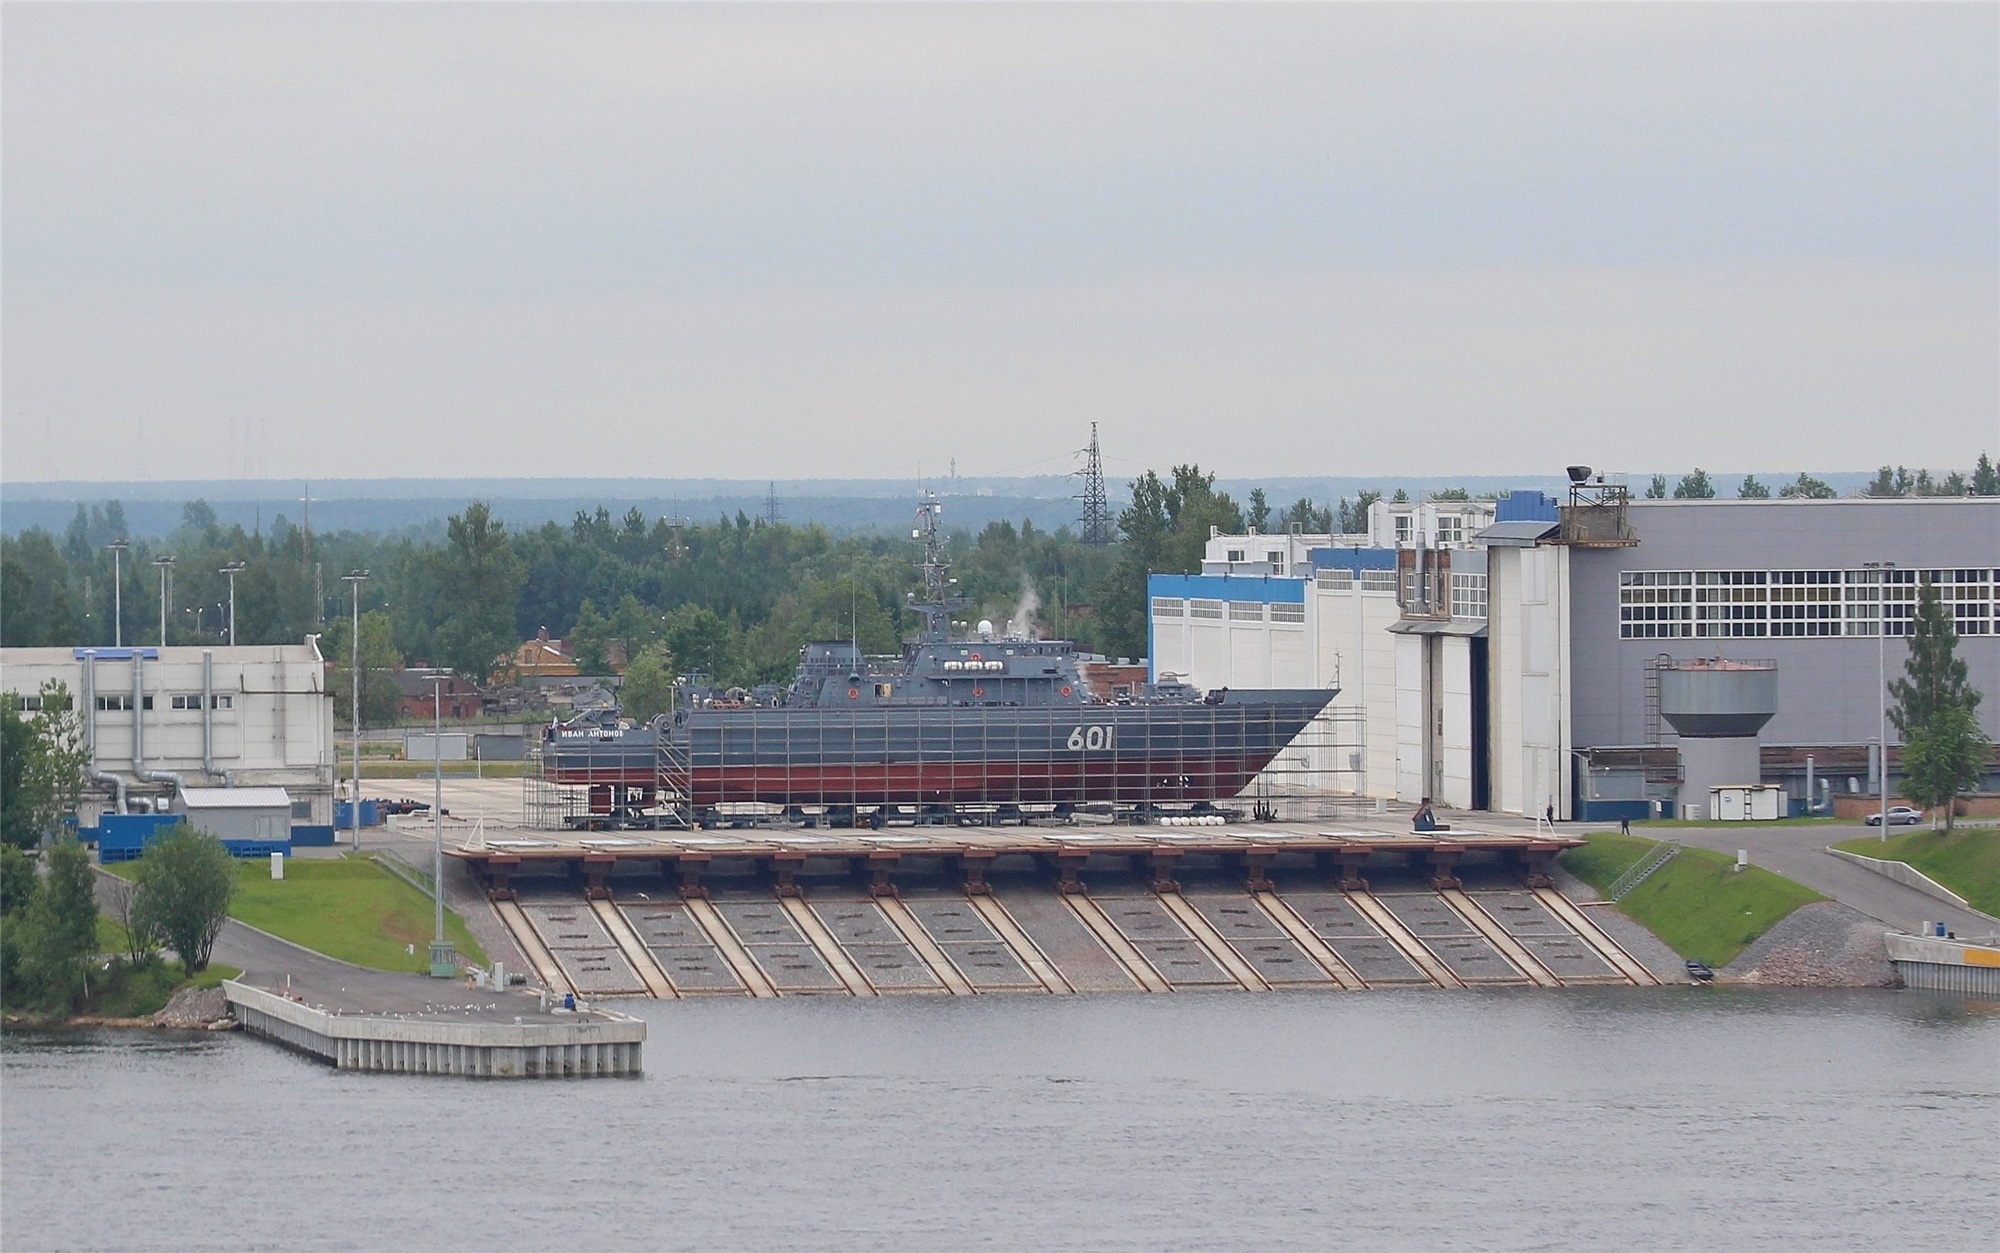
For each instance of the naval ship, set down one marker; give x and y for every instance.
(954, 722)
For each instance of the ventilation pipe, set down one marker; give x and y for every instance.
(115, 782)
(139, 730)
(228, 777)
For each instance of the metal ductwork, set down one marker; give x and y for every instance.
(115, 782)
(208, 765)
(139, 730)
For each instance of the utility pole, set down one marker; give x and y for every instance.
(1881, 569)
(442, 964)
(353, 579)
(118, 547)
(1096, 508)
(233, 569)
(165, 566)
(771, 506)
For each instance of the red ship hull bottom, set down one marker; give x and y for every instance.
(1166, 778)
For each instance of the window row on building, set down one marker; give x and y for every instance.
(1286, 612)
(1712, 604)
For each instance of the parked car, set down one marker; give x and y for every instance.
(1899, 816)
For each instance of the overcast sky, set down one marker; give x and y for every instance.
(745, 242)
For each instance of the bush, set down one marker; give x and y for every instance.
(185, 881)
(46, 941)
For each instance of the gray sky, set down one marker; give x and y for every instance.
(785, 242)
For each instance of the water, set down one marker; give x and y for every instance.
(1596, 1118)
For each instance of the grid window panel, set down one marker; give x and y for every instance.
(1205, 609)
(1246, 611)
(1286, 612)
(1167, 607)
(1468, 596)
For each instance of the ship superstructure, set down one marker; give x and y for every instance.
(1000, 722)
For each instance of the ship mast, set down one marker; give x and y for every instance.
(938, 601)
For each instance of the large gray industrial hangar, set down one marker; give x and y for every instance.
(1599, 656)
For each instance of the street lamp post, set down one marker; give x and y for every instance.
(1881, 569)
(118, 547)
(231, 570)
(353, 579)
(165, 565)
(443, 965)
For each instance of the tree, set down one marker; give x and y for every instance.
(1943, 759)
(700, 640)
(1985, 477)
(1451, 493)
(381, 699)
(649, 684)
(1259, 512)
(1694, 486)
(480, 579)
(1354, 518)
(42, 762)
(18, 881)
(1806, 487)
(1657, 489)
(1752, 489)
(57, 930)
(1935, 677)
(185, 881)
(1310, 519)
(121, 898)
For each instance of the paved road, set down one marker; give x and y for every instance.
(1799, 854)
(269, 962)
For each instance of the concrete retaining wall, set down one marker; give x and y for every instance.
(600, 1045)
(1946, 965)
(1905, 874)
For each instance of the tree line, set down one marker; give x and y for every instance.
(1897, 481)
(732, 599)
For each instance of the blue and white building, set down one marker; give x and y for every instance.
(1507, 656)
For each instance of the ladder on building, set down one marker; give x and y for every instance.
(1640, 871)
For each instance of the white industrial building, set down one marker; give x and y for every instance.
(164, 721)
(1512, 655)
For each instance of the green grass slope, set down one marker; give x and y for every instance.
(1698, 903)
(1968, 862)
(353, 910)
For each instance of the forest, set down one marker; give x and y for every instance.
(733, 598)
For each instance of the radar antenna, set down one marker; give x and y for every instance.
(938, 601)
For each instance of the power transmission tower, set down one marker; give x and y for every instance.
(771, 514)
(1096, 509)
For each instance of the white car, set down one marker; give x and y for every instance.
(1899, 816)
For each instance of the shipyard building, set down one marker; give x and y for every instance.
(170, 730)
(1595, 656)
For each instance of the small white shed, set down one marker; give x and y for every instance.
(237, 813)
(1750, 802)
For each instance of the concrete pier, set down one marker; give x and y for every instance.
(1943, 965)
(590, 1043)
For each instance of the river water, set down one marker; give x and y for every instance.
(1583, 1118)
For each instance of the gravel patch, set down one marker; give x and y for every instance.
(1822, 945)
(194, 1008)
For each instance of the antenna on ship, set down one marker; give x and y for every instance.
(1096, 509)
(938, 601)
